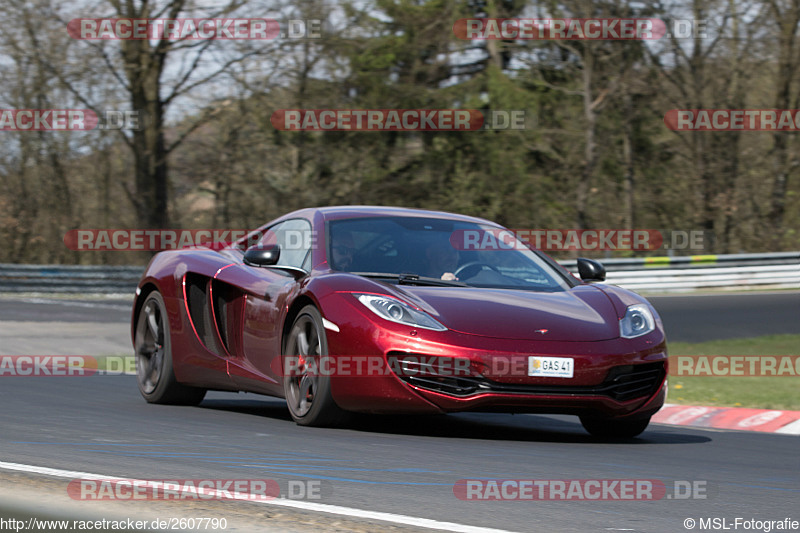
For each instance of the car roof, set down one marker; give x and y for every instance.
(354, 211)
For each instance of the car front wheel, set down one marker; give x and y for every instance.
(307, 389)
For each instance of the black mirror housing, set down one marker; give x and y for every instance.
(591, 270)
(262, 256)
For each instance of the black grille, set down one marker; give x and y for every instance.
(633, 381)
(622, 383)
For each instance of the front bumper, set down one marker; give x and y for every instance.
(612, 378)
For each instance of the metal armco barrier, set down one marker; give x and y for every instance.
(651, 274)
(687, 273)
(755, 277)
(693, 261)
(69, 278)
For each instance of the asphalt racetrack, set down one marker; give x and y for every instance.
(406, 466)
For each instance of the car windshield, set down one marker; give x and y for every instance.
(441, 251)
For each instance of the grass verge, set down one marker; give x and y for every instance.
(757, 392)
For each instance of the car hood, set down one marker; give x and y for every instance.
(582, 313)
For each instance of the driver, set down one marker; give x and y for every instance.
(442, 260)
(342, 250)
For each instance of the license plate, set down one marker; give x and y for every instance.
(551, 367)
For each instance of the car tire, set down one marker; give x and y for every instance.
(307, 391)
(153, 344)
(609, 428)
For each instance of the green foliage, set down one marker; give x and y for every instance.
(237, 170)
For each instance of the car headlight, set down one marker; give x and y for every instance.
(638, 321)
(397, 311)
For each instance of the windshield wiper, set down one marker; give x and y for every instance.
(408, 278)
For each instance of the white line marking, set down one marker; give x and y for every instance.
(305, 506)
(792, 428)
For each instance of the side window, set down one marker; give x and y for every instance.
(294, 238)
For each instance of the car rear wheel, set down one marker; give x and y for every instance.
(307, 389)
(153, 347)
(609, 428)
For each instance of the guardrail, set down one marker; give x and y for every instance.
(732, 278)
(693, 261)
(697, 272)
(69, 278)
(652, 274)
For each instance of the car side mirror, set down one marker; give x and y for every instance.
(262, 256)
(591, 270)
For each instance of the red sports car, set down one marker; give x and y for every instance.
(390, 310)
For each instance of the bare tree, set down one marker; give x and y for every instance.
(594, 72)
(154, 75)
(785, 15)
(713, 68)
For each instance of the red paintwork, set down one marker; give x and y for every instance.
(581, 322)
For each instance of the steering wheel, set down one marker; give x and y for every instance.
(473, 264)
